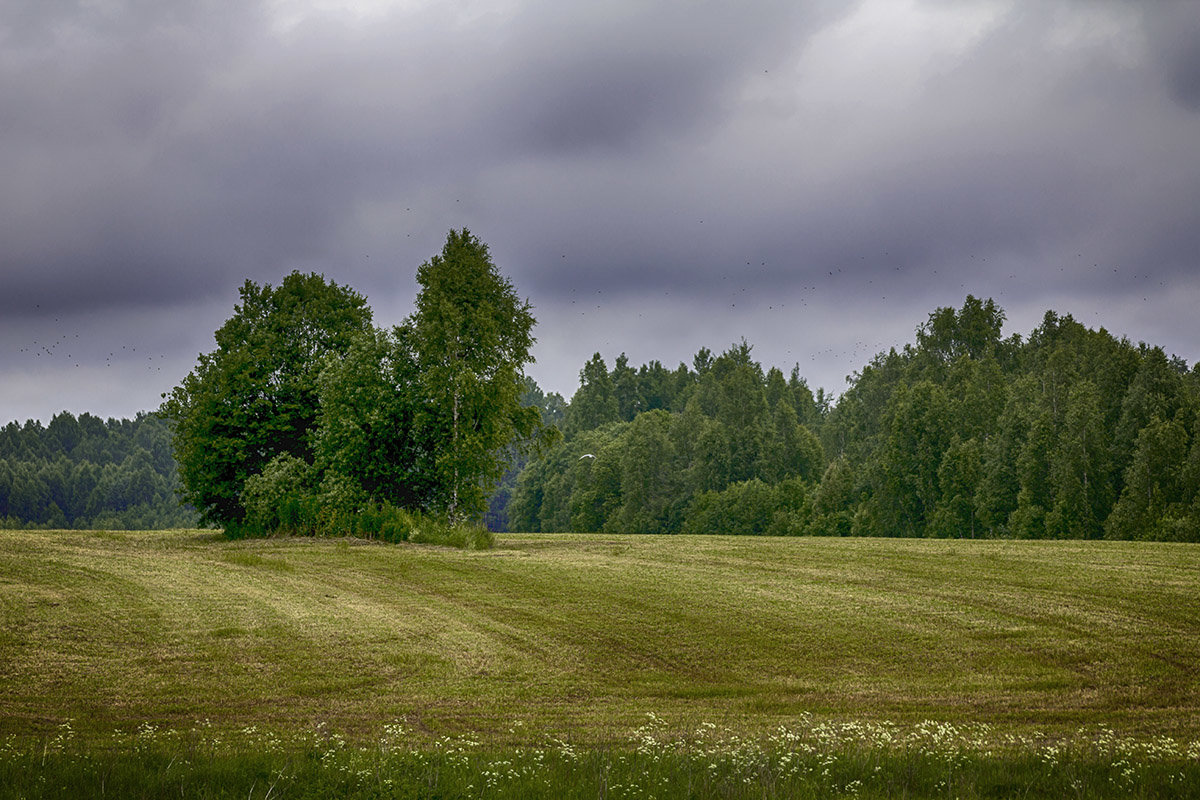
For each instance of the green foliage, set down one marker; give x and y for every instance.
(283, 500)
(552, 409)
(594, 403)
(471, 336)
(972, 332)
(621, 395)
(367, 425)
(727, 423)
(1069, 433)
(958, 477)
(307, 419)
(1036, 438)
(648, 477)
(87, 473)
(751, 508)
(835, 500)
(275, 498)
(256, 396)
(1154, 491)
(464, 535)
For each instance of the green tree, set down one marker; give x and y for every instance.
(1153, 483)
(958, 479)
(1035, 496)
(274, 499)
(255, 396)
(650, 485)
(810, 411)
(1155, 390)
(733, 393)
(471, 334)
(746, 508)
(973, 330)
(790, 449)
(656, 387)
(367, 428)
(594, 403)
(908, 489)
(64, 432)
(626, 389)
(596, 488)
(1079, 469)
(835, 500)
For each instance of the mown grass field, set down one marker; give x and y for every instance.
(581, 636)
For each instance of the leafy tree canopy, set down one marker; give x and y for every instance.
(471, 335)
(308, 418)
(256, 396)
(1069, 432)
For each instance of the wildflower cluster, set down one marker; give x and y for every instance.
(810, 758)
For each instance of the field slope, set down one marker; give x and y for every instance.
(581, 636)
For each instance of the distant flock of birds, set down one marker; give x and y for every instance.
(52, 349)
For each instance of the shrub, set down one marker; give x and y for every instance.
(280, 491)
(283, 499)
(383, 521)
(469, 536)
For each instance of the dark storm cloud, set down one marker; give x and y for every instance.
(1019, 145)
(816, 177)
(158, 150)
(626, 75)
(1174, 41)
(91, 212)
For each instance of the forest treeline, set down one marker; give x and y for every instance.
(1068, 432)
(85, 472)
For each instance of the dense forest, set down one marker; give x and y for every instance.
(1066, 433)
(89, 473)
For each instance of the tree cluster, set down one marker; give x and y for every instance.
(90, 473)
(308, 418)
(1067, 433)
(720, 445)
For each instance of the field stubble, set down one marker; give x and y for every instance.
(580, 637)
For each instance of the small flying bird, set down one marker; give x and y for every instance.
(586, 455)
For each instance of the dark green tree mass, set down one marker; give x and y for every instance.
(1068, 433)
(256, 396)
(307, 418)
(90, 473)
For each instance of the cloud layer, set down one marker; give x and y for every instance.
(815, 177)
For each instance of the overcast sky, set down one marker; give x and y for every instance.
(655, 177)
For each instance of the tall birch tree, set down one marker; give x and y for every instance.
(471, 335)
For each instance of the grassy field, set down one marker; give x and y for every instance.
(179, 663)
(580, 637)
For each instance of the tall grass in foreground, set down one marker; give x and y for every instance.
(382, 522)
(810, 760)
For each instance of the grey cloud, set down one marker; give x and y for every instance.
(1173, 30)
(1184, 73)
(616, 76)
(759, 162)
(167, 148)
